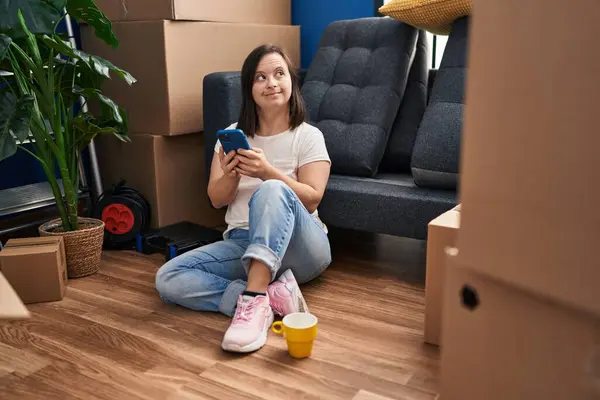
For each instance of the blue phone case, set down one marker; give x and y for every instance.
(232, 139)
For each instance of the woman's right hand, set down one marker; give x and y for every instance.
(228, 163)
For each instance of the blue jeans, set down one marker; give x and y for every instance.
(282, 235)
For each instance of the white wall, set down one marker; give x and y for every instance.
(440, 46)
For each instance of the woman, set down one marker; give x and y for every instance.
(274, 238)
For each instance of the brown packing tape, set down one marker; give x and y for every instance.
(25, 246)
(21, 245)
(34, 241)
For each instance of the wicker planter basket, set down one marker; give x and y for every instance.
(83, 247)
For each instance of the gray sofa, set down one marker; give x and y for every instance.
(392, 131)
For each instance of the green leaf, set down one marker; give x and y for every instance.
(41, 16)
(88, 12)
(103, 67)
(88, 78)
(4, 45)
(8, 146)
(59, 45)
(87, 128)
(56, 4)
(68, 75)
(14, 122)
(30, 40)
(98, 64)
(113, 116)
(110, 108)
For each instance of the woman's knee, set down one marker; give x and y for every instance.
(172, 280)
(271, 189)
(166, 281)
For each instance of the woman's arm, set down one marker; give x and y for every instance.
(224, 180)
(312, 177)
(311, 183)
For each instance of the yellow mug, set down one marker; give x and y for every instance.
(300, 332)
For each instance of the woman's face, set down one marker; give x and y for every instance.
(272, 86)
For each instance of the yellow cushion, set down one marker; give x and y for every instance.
(435, 16)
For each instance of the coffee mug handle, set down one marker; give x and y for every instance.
(277, 327)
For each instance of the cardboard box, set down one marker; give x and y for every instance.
(441, 234)
(529, 166)
(168, 171)
(276, 12)
(36, 268)
(503, 343)
(170, 60)
(11, 306)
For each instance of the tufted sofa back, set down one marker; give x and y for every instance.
(354, 87)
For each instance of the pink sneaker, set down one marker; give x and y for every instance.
(285, 295)
(251, 322)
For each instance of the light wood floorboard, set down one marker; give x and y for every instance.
(112, 337)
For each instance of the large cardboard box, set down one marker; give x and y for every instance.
(11, 306)
(441, 234)
(36, 268)
(503, 343)
(168, 171)
(170, 60)
(276, 12)
(529, 168)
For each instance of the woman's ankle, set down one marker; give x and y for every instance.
(259, 277)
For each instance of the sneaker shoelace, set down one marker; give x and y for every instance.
(244, 312)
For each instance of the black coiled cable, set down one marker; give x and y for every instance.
(125, 212)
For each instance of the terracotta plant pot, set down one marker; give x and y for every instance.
(83, 247)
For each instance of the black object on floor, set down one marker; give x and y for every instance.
(125, 212)
(176, 239)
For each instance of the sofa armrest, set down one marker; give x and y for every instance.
(222, 100)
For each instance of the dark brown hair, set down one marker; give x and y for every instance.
(248, 120)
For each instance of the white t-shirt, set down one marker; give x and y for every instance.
(286, 151)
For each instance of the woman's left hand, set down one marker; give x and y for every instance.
(253, 163)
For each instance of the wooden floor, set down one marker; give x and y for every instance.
(112, 338)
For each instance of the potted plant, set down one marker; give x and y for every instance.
(42, 82)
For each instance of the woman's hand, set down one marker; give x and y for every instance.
(253, 163)
(224, 181)
(228, 163)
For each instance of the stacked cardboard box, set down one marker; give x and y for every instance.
(169, 46)
(34, 270)
(521, 313)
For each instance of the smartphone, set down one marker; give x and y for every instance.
(233, 139)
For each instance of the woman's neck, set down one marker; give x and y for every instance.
(273, 123)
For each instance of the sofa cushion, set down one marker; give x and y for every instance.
(436, 155)
(354, 86)
(222, 100)
(435, 16)
(389, 204)
(401, 142)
